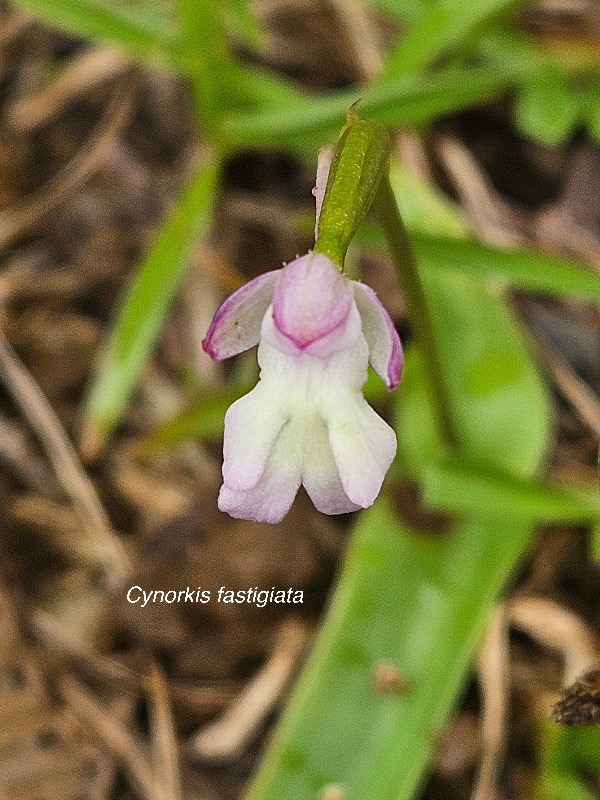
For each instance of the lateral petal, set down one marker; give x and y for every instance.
(385, 350)
(363, 447)
(252, 424)
(236, 325)
(272, 497)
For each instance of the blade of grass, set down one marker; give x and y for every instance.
(406, 599)
(205, 59)
(446, 25)
(242, 23)
(504, 42)
(567, 755)
(145, 30)
(490, 375)
(580, 748)
(424, 208)
(523, 269)
(145, 307)
(403, 11)
(255, 86)
(450, 485)
(404, 101)
(549, 109)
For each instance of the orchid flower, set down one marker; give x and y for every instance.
(306, 422)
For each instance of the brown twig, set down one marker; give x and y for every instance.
(165, 756)
(555, 229)
(358, 36)
(86, 71)
(54, 634)
(492, 218)
(16, 450)
(555, 627)
(226, 738)
(105, 548)
(23, 215)
(51, 632)
(493, 680)
(14, 24)
(570, 385)
(112, 736)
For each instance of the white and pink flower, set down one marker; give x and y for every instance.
(306, 422)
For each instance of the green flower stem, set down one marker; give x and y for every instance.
(402, 253)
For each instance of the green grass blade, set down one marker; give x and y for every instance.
(146, 31)
(563, 786)
(446, 25)
(574, 748)
(397, 102)
(204, 419)
(143, 30)
(490, 376)
(409, 600)
(243, 23)
(504, 42)
(205, 58)
(255, 86)
(423, 207)
(567, 755)
(145, 307)
(455, 487)
(549, 108)
(523, 269)
(406, 12)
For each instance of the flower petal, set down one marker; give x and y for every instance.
(323, 164)
(236, 325)
(363, 447)
(320, 474)
(311, 300)
(252, 425)
(272, 497)
(385, 349)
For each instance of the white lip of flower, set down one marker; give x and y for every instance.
(306, 422)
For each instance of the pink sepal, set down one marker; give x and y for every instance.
(385, 350)
(236, 325)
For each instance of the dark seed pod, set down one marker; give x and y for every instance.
(580, 702)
